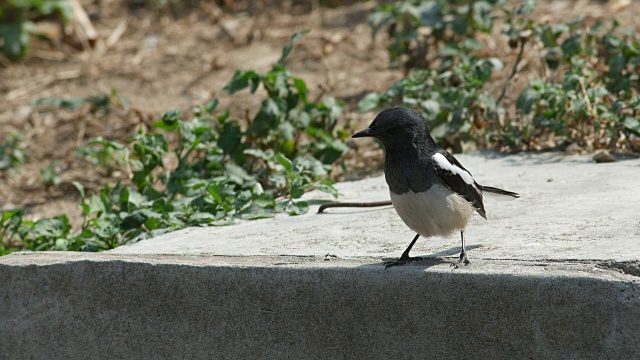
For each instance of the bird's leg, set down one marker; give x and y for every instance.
(405, 258)
(463, 255)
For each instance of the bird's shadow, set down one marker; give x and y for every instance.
(427, 261)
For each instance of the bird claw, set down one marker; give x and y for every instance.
(461, 261)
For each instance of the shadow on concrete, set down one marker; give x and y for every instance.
(430, 260)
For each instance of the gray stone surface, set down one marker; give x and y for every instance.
(114, 306)
(554, 275)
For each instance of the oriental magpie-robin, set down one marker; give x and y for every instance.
(430, 190)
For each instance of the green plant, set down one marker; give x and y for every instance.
(454, 102)
(590, 96)
(216, 171)
(16, 25)
(423, 31)
(50, 174)
(96, 103)
(17, 234)
(106, 154)
(10, 223)
(592, 99)
(13, 152)
(287, 121)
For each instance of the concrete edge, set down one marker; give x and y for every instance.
(604, 269)
(131, 306)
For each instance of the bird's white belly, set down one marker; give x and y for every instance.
(435, 212)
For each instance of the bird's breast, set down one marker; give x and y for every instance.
(437, 211)
(409, 173)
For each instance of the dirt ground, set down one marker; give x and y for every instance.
(162, 61)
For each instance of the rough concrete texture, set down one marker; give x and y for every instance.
(554, 275)
(113, 306)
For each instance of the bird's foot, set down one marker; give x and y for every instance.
(461, 261)
(403, 260)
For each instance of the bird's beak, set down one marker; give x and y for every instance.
(363, 133)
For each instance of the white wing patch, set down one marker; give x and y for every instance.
(444, 164)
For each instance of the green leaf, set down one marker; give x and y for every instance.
(242, 199)
(313, 165)
(80, 188)
(62, 244)
(16, 40)
(230, 136)
(485, 67)
(332, 151)
(527, 99)
(50, 174)
(241, 80)
(170, 121)
(10, 214)
(287, 49)
(254, 212)
(264, 200)
(237, 174)
(154, 144)
(301, 86)
(286, 163)
(96, 205)
(53, 228)
(632, 124)
(616, 65)
(326, 186)
(572, 46)
(202, 218)
(430, 14)
(553, 57)
(369, 102)
(260, 154)
(211, 106)
(73, 103)
(108, 143)
(271, 111)
(137, 218)
(299, 208)
(431, 108)
(298, 186)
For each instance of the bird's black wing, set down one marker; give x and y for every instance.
(458, 179)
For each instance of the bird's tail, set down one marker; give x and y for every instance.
(493, 190)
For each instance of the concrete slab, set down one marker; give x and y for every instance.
(571, 208)
(554, 274)
(123, 306)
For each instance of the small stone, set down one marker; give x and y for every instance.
(573, 149)
(634, 140)
(603, 157)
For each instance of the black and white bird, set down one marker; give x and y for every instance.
(430, 190)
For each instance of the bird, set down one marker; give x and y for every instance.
(431, 191)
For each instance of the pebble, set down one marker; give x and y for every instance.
(603, 157)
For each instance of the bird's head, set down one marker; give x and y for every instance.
(397, 127)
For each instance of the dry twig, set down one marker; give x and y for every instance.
(513, 73)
